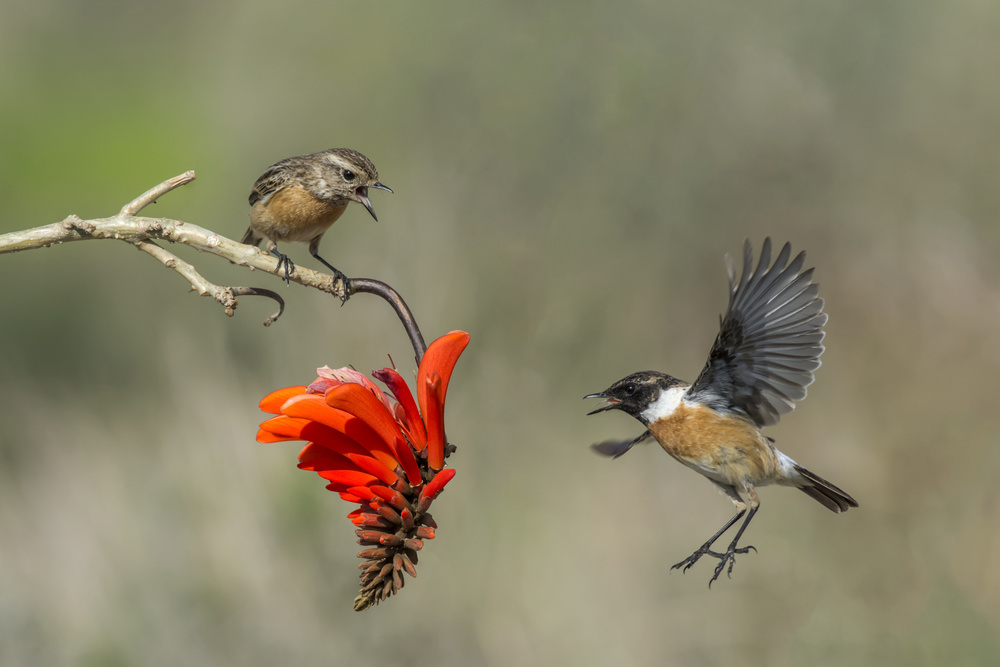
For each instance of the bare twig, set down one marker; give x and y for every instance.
(402, 310)
(260, 291)
(143, 233)
(224, 295)
(150, 196)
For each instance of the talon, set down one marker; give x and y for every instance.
(727, 558)
(286, 261)
(341, 276)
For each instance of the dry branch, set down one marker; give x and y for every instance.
(143, 233)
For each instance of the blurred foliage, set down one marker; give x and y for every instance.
(568, 176)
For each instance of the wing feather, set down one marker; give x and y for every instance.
(275, 178)
(769, 341)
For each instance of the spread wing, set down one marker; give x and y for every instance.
(770, 339)
(275, 178)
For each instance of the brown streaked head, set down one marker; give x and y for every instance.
(347, 174)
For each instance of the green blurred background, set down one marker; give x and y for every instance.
(568, 177)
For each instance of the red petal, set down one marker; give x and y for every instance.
(374, 467)
(362, 492)
(350, 497)
(397, 385)
(314, 407)
(441, 356)
(434, 413)
(358, 401)
(432, 387)
(348, 477)
(317, 458)
(272, 402)
(284, 427)
(436, 485)
(265, 437)
(391, 496)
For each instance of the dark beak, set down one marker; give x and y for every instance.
(379, 186)
(362, 193)
(611, 404)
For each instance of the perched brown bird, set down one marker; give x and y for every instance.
(762, 361)
(298, 199)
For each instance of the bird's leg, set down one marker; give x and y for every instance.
(730, 555)
(337, 275)
(283, 260)
(706, 548)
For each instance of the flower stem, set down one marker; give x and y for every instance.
(383, 290)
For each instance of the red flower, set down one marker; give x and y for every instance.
(384, 454)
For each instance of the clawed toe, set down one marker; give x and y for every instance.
(688, 562)
(728, 557)
(725, 559)
(286, 262)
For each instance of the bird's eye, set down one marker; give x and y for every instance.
(629, 389)
(348, 175)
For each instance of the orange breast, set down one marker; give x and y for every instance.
(726, 449)
(293, 214)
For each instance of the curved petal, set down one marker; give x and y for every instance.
(360, 402)
(441, 356)
(397, 385)
(432, 387)
(348, 477)
(436, 485)
(317, 458)
(272, 402)
(283, 427)
(374, 467)
(364, 492)
(434, 414)
(314, 408)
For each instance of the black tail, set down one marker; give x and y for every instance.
(834, 499)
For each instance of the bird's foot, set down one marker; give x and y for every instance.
(345, 281)
(728, 557)
(337, 275)
(286, 262)
(688, 562)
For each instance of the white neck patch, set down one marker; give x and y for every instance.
(664, 405)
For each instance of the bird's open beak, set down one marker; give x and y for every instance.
(362, 194)
(610, 403)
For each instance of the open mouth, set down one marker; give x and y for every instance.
(361, 192)
(609, 403)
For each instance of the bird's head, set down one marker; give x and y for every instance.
(644, 395)
(348, 175)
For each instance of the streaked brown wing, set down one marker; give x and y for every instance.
(275, 178)
(770, 339)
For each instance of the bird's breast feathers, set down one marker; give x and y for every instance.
(292, 214)
(724, 448)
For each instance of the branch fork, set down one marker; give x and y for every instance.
(143, 233)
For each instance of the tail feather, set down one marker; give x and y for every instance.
(250, 237)
(828, 495)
